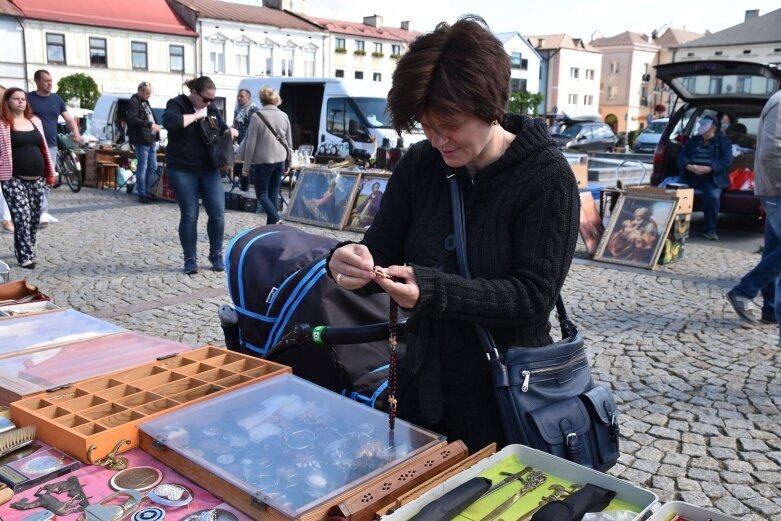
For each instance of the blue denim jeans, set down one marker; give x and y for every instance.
(188, 187)
(268, 178)
(764, 277)
(711, 197)
(147, 164)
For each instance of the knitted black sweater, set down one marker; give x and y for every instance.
(522, 215)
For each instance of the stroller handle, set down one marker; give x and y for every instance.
(305, 334)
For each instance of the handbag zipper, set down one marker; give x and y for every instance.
(527, 374)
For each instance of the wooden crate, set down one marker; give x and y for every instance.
(357, 504)
(105, 410)
(90, 169)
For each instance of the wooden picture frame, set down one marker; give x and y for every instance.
(367, 201)
(591, 227)
(637, 230)
(323, 197)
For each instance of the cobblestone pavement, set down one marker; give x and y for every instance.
(700, 393)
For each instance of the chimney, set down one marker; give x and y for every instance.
(405, 25)
(273, 4)
(751, 14)
(374, 20)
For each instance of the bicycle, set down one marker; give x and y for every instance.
(68, 166)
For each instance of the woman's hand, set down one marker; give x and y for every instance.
(234, 133)
(404, 289)
(351, 266)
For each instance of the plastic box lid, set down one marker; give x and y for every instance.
(290, 443)
(690, 512)
(50, 328)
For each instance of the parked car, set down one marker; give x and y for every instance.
(585, 136)
(735, 93)
(646, 141)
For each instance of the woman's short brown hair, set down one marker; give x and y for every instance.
(461, 68)
(269, 96)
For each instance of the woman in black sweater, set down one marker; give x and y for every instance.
(521, 214)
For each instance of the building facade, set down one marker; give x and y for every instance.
(525, 63)
(626, 100)
(119, 47)
(12, 70)
(572, 72)
(236, 41)
(365, 51)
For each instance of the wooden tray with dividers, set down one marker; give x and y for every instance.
(105, 410)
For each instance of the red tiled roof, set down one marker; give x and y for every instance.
(560, 41)
(153, 16)
(361, 29)
(7, 8)
(252, 14)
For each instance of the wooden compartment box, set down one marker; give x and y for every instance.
(105, 410)
(284, 449)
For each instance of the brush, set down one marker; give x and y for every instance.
(16, 439)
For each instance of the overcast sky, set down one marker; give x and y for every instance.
(579, 18)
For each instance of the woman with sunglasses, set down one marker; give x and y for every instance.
(192, 172)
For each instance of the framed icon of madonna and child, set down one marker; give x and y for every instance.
(637, 229)
(323, 197)
(367, 201)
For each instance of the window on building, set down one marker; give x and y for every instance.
(770, 85)
(515, 60)
(97, 52)
(378, 48)
(718, 53)
(339, 73)
(612, 92)
(588, 100)
(287, 62)
(517, 85)
(358, 75)
(340, 43)
(572, 99)
(614, 67)
(138, 55)
(689, 83)
(55, 48)
(574, 73)
(377, 76)
(176, 58)
(360, 45)
(396, 50)
(242, 58)
(590, 74)
(743, 85)
(309, 63)
(644, 97)
(715, 85)
(266, 61)
(217, 56)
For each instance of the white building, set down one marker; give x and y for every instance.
(238, 40)
(119, 46)
(365, 51)
(12, 73)
(524, 63)
(571, 75)
(756, 39)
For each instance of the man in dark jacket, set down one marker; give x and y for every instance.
(143, 132)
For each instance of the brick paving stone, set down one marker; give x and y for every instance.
(688, 484)
(666, 341)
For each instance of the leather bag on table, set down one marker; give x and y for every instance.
(547, 398)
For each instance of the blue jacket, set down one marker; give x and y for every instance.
(720, 148)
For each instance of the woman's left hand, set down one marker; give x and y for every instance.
(234, 132)
(406, 291)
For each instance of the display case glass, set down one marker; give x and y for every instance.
(66, 364)
(50, 328)
(287, 442)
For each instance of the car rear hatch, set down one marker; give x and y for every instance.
(715, 81)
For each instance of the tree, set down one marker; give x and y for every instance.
(523, 102)
(79, 86)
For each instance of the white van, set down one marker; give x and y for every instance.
(325, 112)
(110, 108)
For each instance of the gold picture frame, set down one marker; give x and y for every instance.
(323, 197)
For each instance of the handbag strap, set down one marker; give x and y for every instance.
(271, 129)
(568, 328)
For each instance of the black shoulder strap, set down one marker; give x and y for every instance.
(568, 328)
(279, 138)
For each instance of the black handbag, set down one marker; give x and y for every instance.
(546, 396)
(219, 146)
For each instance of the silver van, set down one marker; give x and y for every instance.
(110, 108)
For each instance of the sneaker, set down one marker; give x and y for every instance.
(768, 318)
(711, 236)
(8, 227)
(190, 266)
(218, 263)
(28, 264)
(144, 199)
(743, 306)
(46, 217)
